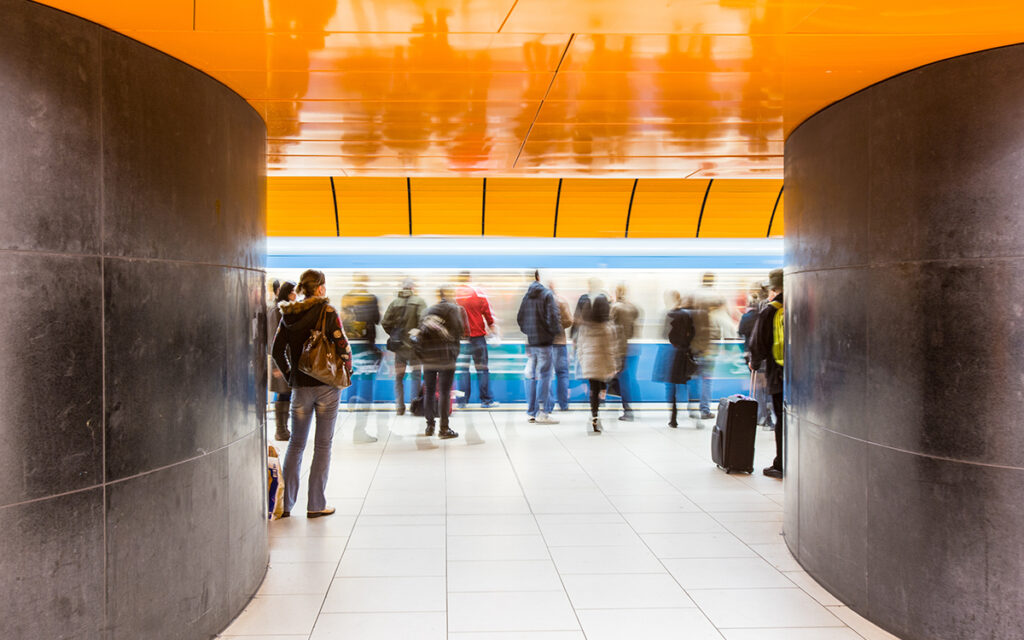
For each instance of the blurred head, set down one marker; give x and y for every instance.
(286, 291)
(275, 286)
(463, 276)
(447, 291)
(707, 280)
(536, 275)
(551, 285)
(408, 284)
(311, 282)
(594, 284)
(599, 309)
(672, 299)
(775, 280)
(620, 291)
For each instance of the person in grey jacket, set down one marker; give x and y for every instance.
(539, 319)
(402, 316)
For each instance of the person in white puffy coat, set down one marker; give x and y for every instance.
(598, 352)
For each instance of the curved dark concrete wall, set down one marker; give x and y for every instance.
(905, 315)
(131, 253)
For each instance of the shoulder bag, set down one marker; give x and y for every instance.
(320, 358)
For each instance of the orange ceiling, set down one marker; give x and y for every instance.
(558, 88)
(541, 207)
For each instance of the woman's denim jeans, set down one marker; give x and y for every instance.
(323, 400)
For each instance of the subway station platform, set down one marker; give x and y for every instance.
(520, 531)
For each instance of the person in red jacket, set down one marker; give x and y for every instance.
(480, 323)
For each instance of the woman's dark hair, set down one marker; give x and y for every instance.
(285, 290)
(310, 280)
(599, 309)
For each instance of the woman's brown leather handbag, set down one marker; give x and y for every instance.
(320, 358)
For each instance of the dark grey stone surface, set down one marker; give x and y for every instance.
(133, 338)
(51, 399)
(905, 324)
(51, 568)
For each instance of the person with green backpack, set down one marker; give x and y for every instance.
(767, 345)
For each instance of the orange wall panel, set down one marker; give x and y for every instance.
(521, 206)
(739, 208)
(300, 207)
(372, 206)
(778, 229)
(666, 208)
(593, 208)
(447, 206)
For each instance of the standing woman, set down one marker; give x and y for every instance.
(278, 383)
(598, 353)
(309, 395)
(675, 363)
(437, 343)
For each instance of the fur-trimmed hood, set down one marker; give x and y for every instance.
(289, 307)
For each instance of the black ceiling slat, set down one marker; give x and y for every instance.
(702, 205)
(774, 209)
(629, 212)
(558, 200)
(483, 211)
(408, 193)
(334, 199)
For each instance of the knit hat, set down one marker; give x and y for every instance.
(775, 279)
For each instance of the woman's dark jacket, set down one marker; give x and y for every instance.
(437, 342)
(675, 364)
(298, 319)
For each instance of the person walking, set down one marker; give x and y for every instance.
(309, 395)
(360, 313)
(599, 354)
(767, 346)
(436, 342)
(538, 318)
(560, 356)
(701, 348)
(278, 383)
(479, 324)
(402, 316)
(675, 364)
(625, 315)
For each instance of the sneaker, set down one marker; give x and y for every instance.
(286, 514)
(400, 411)
(319, 514)
(447, 433)
(626, 417)
(674, 425)
(430, 430)
(532, 419)
(490, 405)
(772, 472)
(595, 424)
(706, 415)
(545, 418)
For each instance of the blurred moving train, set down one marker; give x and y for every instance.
(503, 268)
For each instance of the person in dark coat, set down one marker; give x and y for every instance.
(759, 390)
(436, 342)
(402, 316)
(278, 384)
(598, 354)
(540, 320)
(675, 364)
(309, 395)
(762, 351)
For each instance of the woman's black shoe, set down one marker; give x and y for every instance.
(447, 433)
(430, 429)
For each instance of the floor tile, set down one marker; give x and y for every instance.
(589, 535)
(302, 637)
(626, 591)
(791, 634)
(507, 575)
(302, 578)
(648, 624)
(726, 573)
(697, 545)
(492, 524)
(467, 505)
(334, 526)
(464, 548)
(866, 629)
(582, 560)
(312, 549)
(755, 608)
(778, 555)
(512, 611)
(263, 615)
(392, 562)
(756, 532)
(673, 523)
(379, 626)
(653, 504)
(804, 580)
(372, 595)
(397, 537)
(518, 635)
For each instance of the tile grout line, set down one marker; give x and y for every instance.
(543, 537)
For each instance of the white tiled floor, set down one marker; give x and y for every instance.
(528, 532)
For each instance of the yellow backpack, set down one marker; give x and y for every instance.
(778, 333)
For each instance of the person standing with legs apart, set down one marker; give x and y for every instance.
(278, 383)
(402, 316)
(767, 345)
(560, 355)
(625, 315)
(538, 318)
(479, 324)
(436, 342)
(309, 395)
(598, 354)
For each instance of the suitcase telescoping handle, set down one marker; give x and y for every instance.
(753, 377)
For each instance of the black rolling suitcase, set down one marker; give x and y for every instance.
(732, 439)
